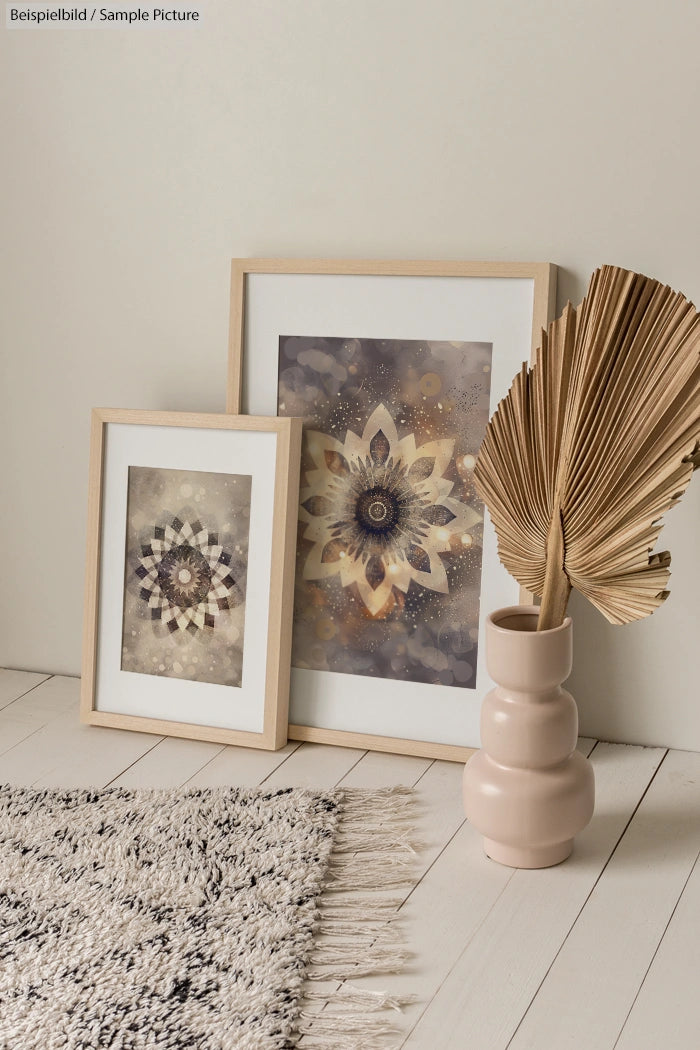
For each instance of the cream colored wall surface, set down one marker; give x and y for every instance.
(138, 161)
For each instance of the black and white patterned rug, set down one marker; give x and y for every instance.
(190, 919)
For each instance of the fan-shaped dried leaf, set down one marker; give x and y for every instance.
(593, 444)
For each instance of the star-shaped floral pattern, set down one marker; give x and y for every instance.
(185, 576)
(378, 511)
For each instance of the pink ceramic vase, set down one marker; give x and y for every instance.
(528, 791)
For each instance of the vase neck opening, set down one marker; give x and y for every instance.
(525, 622)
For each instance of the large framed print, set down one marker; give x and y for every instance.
(394, 368)
(190, 563)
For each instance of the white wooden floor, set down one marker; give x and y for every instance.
(600, 952)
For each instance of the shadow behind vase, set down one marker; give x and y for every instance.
(528, 791)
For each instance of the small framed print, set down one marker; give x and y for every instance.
(190, 562)
(395, 369)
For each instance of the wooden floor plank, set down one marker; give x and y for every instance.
(87, 762)
(14, 684)
(46, 701)
(53, 702)
(481, 965)
(667, 1010)
(319, 766)
(81, 756)
(595, 978)
(169, 764)
(63, 752)
(12, 731)
(377, 769)
(241, 767)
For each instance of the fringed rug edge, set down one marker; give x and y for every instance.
(356, 935)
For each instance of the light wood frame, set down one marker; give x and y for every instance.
(281, 577)
(543, 276)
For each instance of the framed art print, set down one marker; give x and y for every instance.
(191, 534)
(395, 369)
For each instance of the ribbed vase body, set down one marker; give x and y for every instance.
(528, 791)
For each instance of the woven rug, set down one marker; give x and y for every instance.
(197, 919)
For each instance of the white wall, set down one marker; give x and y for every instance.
(136, 162)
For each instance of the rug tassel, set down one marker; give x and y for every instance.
(369, 1040)
(342, 906)
(331, 929)
(357, 934)
(349, 995)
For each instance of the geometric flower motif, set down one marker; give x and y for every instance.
(185, 577)
(379, 512)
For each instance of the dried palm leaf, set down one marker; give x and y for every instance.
(593, 444)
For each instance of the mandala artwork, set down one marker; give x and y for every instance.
(184, 598)
(185, 577)
(379, 512)
(389, 554)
